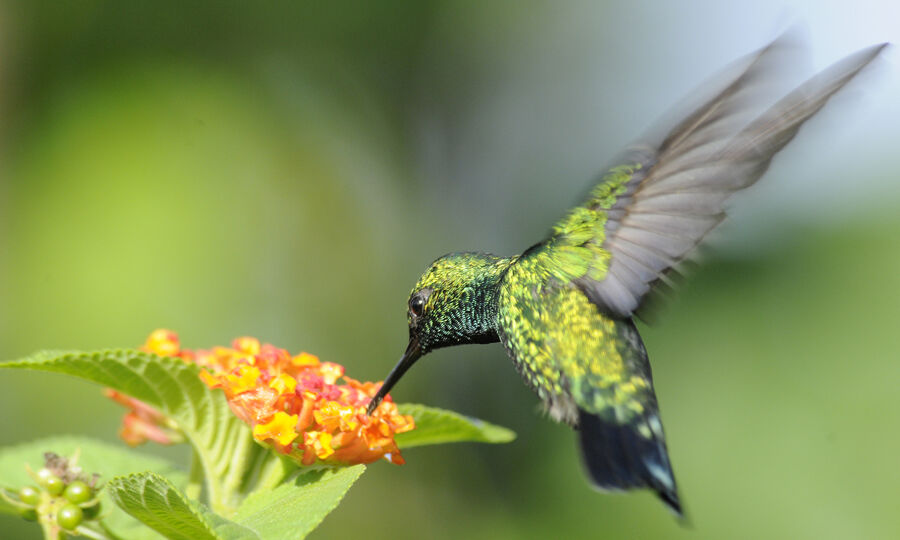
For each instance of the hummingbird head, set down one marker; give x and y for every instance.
(454, 302)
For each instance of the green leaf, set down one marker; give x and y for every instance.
(233, 463)
(160, 505)
(94, 456)
(296, 507)
(436, 426)
(292, 510)
(223, 443)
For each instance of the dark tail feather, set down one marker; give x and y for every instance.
(619, 457)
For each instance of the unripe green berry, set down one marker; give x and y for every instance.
(78, 492)
(29, 514)
(30, 495)
(50, 482)
(69, 517)
(54, 485)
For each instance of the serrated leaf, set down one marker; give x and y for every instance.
(436, 426)
(233, 463)
(160, 505)
(223, 443)
(296, 507)
(95, 456)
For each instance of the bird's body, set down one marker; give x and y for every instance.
(563, 309)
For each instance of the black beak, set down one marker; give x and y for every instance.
(409, 358)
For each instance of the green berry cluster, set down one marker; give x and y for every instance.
(64, 497)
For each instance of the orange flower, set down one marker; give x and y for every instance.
(298, 405)
(144, 423)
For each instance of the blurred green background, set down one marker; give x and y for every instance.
(287, 169)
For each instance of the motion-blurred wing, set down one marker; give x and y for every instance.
(645, 216)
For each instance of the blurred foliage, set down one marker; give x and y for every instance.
(287, 169)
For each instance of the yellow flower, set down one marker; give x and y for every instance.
(284, 383)
(162, 342)
(244, 378)
(331, 372)
(334, 416)
(305, 359)
(210, 380)
(280, 429)
(246, 345)
(302, 407)
(319, 442)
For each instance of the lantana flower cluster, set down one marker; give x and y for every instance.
(296, 404)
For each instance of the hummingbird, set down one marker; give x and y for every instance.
(564, 309)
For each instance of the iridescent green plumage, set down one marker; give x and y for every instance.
(563, 309)
(566, 349)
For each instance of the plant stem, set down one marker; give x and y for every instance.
(195, 480)
(51, 530)
(90, 532)
(227, 499)
(273, 471)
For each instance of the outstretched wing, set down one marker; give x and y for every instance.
(590, 370)
(646, 215)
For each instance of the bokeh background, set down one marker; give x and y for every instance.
(287, 169)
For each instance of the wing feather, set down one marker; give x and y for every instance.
(675, 194)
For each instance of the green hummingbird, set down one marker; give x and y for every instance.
(564, 308)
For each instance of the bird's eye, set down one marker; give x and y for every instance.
(416, 305)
